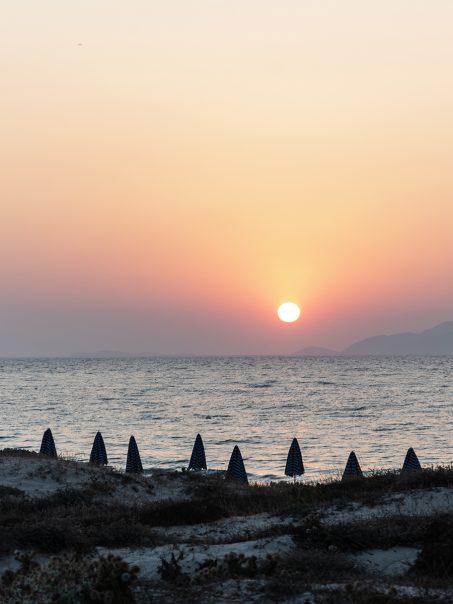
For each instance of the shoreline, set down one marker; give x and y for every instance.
(376, 409)
(307, 478)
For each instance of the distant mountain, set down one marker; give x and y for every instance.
(316, 351)
(436, 341)
(103, 354)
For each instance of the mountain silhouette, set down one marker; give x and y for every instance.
(436, 341)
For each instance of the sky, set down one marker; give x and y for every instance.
(173, 170)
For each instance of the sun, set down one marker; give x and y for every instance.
(288, 312)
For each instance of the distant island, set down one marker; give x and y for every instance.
(104, 354)
(437, 341)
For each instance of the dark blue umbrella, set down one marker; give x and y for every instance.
(352, 469)
(134, 463)
(98, 452)
(294, 464)
(236, 468)
(48, 444)
(411, 463)
(198, 457)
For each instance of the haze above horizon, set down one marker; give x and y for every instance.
(173, 172)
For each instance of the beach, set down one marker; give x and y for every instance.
(226, 302)
(179, 536)
(76, 527)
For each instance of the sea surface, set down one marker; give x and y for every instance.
(376, 406)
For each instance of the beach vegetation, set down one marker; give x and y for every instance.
(69, 578)
(436, 556)
(170, 570)
(324, 535)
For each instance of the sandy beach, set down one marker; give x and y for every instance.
(197, 537)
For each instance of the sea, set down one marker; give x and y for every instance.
(376, 406)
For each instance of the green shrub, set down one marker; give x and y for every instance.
(69, 580)
(181, 512)
(436, 556)
(170, 570)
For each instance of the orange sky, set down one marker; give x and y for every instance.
(174, 170)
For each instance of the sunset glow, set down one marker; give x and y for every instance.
(225, 224)
(164, 186)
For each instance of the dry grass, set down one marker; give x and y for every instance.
(74, 518)
(436, 556)
(18, 453)
(375, 533)
(287, 498)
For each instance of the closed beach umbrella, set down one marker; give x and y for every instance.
(98, 452)
(411, 463)
(198, 457)
(294, 464)
(48, 444)
(352, 469)
(236, 468)
(134, 463)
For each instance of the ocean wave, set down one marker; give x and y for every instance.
(259, 404)
(266, 384)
